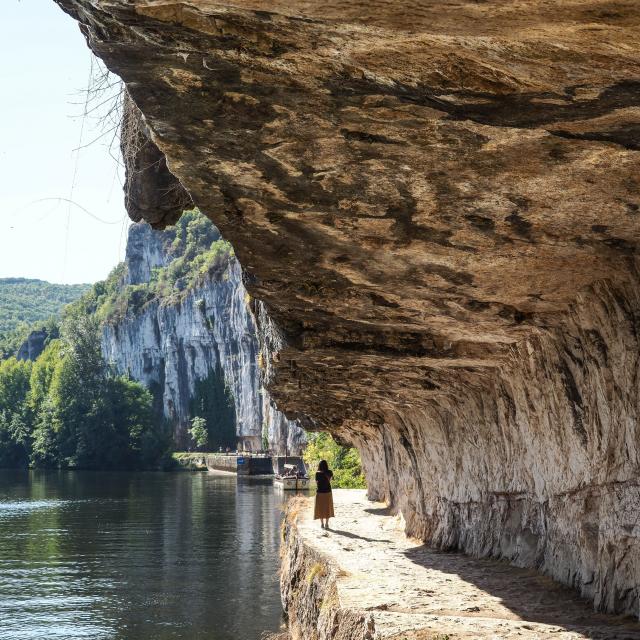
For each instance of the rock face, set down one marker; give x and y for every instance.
(171, 345)
(152, 193)
(437, 205)
(33, 346)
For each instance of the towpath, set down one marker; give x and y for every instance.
(416, 593)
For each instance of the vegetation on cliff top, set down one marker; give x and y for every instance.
(195, 250)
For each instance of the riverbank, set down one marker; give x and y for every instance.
(197, 461)
(243, 464)
(364, 579)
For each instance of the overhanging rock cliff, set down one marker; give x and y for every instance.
(437, 204)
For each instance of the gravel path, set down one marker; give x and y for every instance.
(414, 592)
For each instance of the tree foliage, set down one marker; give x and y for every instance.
(24, 302)
(199, 432)
(343, 461)
(66, 410)
(14, 434)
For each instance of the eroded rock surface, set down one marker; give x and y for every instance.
(152, 193)
(437, 204)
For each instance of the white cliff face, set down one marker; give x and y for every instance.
(146, 250)
(285, 436)
(173, 343)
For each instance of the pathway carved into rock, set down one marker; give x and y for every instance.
(402, 589)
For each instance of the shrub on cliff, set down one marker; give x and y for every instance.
(196, 250)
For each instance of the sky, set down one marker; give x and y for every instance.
(45, 70)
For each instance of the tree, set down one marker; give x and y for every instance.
(199, 431)
(14, 440)
(344, 461)
(80, 393)
(213, 401)
(14, 384)
(102, 421)
(15, 428)
(130, 419)
(42, 372)
(44, 450)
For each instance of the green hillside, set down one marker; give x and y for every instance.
(29, 301)
(24, 302)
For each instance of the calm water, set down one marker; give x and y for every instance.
(147, 556)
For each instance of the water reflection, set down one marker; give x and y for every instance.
(137, 556)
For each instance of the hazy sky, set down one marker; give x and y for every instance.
(44, 69)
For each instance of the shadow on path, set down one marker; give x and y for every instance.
(385, 511)
(349, 534)
(530, 595)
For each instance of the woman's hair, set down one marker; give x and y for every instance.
(323, 466)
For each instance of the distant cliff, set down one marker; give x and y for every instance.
(182, 326)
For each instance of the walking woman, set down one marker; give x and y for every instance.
(324, 498)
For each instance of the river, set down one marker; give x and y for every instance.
(137, 556)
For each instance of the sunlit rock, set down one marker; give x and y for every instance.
(173, 344)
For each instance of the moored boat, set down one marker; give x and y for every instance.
(292, 479)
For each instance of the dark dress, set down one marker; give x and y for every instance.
(324, 497)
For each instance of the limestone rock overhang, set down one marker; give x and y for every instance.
(437, 206)
(411, 187)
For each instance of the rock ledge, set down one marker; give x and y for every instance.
(365, 579)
